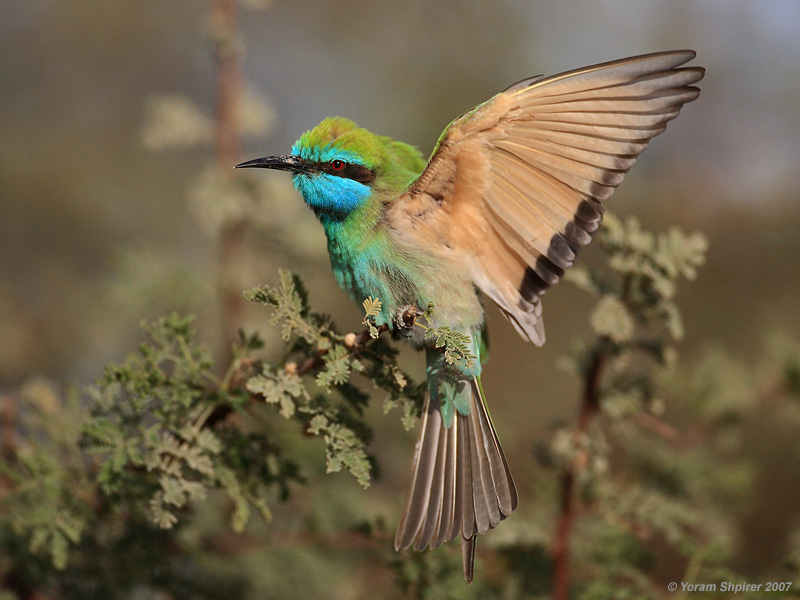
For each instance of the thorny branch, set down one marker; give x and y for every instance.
(355, 341)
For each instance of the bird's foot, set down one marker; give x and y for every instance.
(405, 318)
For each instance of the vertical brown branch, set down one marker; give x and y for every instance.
(227, 53)
(8, 433)
(229, 88)
(560, 548)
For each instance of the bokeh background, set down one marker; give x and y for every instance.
(107, 208)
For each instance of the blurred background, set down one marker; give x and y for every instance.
(113, 207)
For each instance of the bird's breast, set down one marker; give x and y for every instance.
(379, 262)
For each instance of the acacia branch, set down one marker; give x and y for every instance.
(590, 406)
(356, 343)
(238, 380)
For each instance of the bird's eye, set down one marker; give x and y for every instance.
(337, 165)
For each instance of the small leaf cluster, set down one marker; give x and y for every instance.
(290, 303)
(372, 308)
(316, 384)
(456, 345)
(646, 270)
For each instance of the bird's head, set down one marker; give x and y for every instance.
(338, 166)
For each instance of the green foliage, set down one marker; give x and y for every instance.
(454, 344)
(153, 450)
(290, 301)
(46, 508)
(279, 387)
(147, 425)
(647, 269)
(316, 348)
(59, 533)
(640, 477)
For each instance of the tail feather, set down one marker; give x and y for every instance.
(461, 483)
(435, 508)
(465, 505)
(468, 557)
(487, 512)
(503, 486)
(415, 510)
(450, 517)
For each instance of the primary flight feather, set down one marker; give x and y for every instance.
(513, 189)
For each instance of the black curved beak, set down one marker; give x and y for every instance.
(286, 162)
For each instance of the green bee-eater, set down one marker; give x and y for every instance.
(510, 193)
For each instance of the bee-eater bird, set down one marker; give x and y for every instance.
(512, 190)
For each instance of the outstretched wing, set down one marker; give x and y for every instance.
(514, 187)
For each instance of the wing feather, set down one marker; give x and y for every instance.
(515, 186)
(581, 141)
(520, 219)
(548, 189)
(598, 131)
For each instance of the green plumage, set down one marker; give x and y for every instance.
(369, 258)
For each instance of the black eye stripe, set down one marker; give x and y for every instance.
(358, 173)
